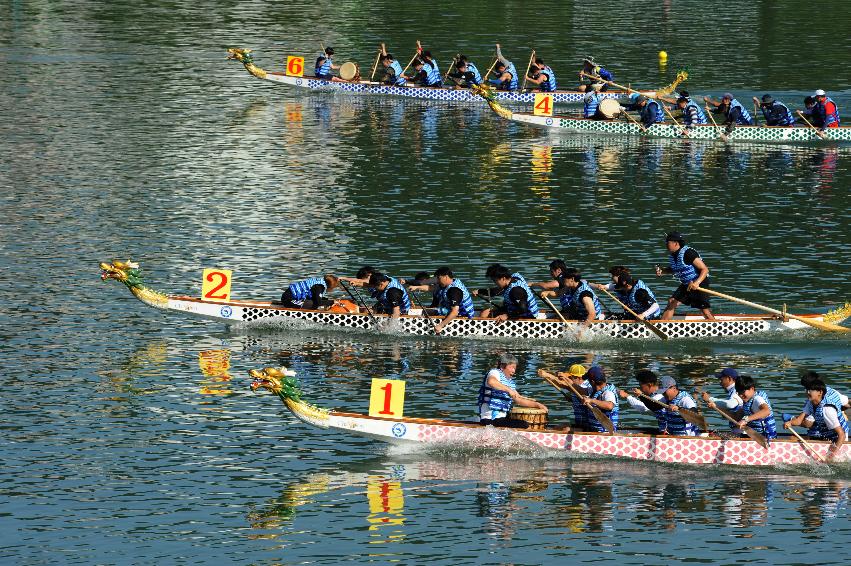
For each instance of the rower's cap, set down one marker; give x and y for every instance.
(727, 95)
(595, 375)
(675, 237)
(684, 93)
(576, 370)
(819, 92)
(633, 97)
(640, 98)
(589, 59)
(666, 383)
(767, 99)
(727, 372)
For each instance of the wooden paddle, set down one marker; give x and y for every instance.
(755, 110)
(417, 54)
(683, 130)
(816, 456)
(452, 64)
(634, 121)
(816, 130)
(360, 302)
(425, 313)
(693, 417)
(650, 326)
(754, 435)
(598, 414)
(577, 331)
(526, 74)
(714, 123)
(485, 78)
(375, 67)
(814, 323)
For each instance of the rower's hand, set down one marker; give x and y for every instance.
(658, 271)
(623, 394)
(710, 404)
(548, 293)
(636, 392)
(755, 100)
(437, 328)
(673, 408)
(639, 316)
(706, 397)
(474, 292)
(501, 318)
(742, 423)
(693, 286)
(586, 401)
(787, 425)
(598, 286)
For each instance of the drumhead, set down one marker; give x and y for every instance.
(610, 108)
(348, 71)
(527, 411)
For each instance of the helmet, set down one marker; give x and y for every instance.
(819, 92)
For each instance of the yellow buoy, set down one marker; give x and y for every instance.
(663, 56)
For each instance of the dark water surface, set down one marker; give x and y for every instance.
(129, 436)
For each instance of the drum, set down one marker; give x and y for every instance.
(535, 418)
(343, 306)
(349, 71)
(609, 108)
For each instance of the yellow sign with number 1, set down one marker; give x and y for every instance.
(216, 285)
(295, 66)
(387, 398)
(543, 105)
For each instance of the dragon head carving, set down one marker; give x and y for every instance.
(244, 56)
(280, 381)
(127, 272)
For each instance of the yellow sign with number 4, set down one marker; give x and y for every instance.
(543, 105)
(387, 398)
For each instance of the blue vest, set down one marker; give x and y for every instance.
(300, 290)
(465, 309)
(548, 85)
(580, 411)
(767, 426)
(532, 303)
(433, 76)
(397, 69)
(477, 76)
(324, 69)
(700, 117)
(496, 399)
(655, 112)
(602, 73)
(593, 423)
(510, 84)
(819, 429)
(573, 300)
(784, 115)
(633, 303)
(745, 118)
(676, 424)
(381, 296)
(592, 101)
(685, 273)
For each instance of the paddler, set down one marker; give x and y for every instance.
(542, 75)
(451, 298)
(674, 423)
(638, 297)
(604, 396)
(324, 66)
(557, 270)
(498, 393)
(615, 272)
(648, 385)
(578, 300)
(505, 73)
(576, 374)
(393, 74)
(775, 112)
(598, 72)
(433, 67)
(425, 74)
(309, 293)
(649, 110)
(391, 296)
(733, 111)
(810, 377)
(591, 103)
(756, 409)
(686, 265)
(825, 113)
(693, 114)
(809, 106)
(466, 73)
(361, 278)
(518, 299)
(823, 415)
(731, 402)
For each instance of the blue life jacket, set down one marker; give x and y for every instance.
(381, 296)
(602, 73)
(676, 424)
(497, 400)
(433, 76)
(593, 423)
(509, 84)
(580, 411)
(323, 70)
(592, 102)
(465, 309)
(300, 290)
(700, 117)
(477, 76)
(783, 115)
(572, 299)
(633, 303)
(685, 273)
(767, 426)
(652, 113)
(819, 429)
(531, 302)
(744, 119)
(397, 69)
(548, 85)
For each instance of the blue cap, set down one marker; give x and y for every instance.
(727, 372)
(666, 383)
(595, 375)
(633, 97)
(787, 417)
(727, 95)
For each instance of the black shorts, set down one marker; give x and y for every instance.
(694, 299)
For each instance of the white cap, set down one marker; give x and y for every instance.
(819, 92)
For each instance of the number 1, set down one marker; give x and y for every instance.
(387, 392)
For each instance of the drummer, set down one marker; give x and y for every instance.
(309, 293)
(591, 103)
(505, 72)
(498, 393)
(542, 75)
(324, 66)
(393, 74)
(590, 68)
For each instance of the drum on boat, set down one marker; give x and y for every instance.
(349, 71)
(609, 108)
(535, 418)
(344, 306)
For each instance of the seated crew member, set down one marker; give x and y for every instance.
(756, 408)
(576, 375)
(433, 69)
(823, 416)
(578, 300)
(393, 74)
(604, 396)
(591, 103)
(733, 111)
(731, 402)
(648, 384)
(809, 106)
(825, 112)
(518, 299)
(810, 376)
(687, 266)
(557, 271)
(615, 272)
(361, 278)
(649, 110)
(505, 73)
(675, 424)
(451, 298)
(309, 293)
(590, 68)
(466, 73)
(639, 298)
(776, 113)
(542, 75)
(424, 76)
(324, 66)
(391, 297)
(498, 393)
(692, 113)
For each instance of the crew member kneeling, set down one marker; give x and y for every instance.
(309, 293)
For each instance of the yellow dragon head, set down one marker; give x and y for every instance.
(244, 56)
(123, 271)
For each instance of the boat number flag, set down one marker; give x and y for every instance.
(543, 105)
(216, 285)
(387, 398)
(295, 66)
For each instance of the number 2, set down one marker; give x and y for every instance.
(223, 280)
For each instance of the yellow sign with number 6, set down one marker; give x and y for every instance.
(387, 398)
(216, 285)
(543, 105)
(295, 66)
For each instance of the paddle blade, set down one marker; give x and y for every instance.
(694, 418)
(757, 437)
(603, 419)
(826, 326)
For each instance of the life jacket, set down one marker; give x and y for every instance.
(381, 296)
(675, 423)
(831, 120)
(397, 69)
(652, 113)
(433, 76)
(572, 300)
(767, 426)
(531, 302)
(497, 400)
(592, 102)
(660, 414)
(638, 307)
(782, 116)
(548, 85)
(580, 411)
(510, 84)
(602, 73)
(700, 117)
(465, 309)
(819, 429)
(323, 69)
(685, 273)
(744, 118)
(593, 423)
(300, 290)
(477, 76)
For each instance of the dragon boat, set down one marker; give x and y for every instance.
(448, 94)
(576, 125)
(260, 314)
(634, 445)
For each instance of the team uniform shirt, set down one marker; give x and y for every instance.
(495, 403)
(637, 404)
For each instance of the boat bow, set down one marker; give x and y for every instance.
(244, 56)
(282, 382)
(130, 274)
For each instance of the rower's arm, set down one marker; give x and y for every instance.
(537, 81)
(545, 284)
(796, 421)
(499, 56)
(588, 302)
(762, 413)
(836, 446)
(453, 314)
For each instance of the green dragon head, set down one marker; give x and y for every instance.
(127, 272)
(241, 55)
(280, 381)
